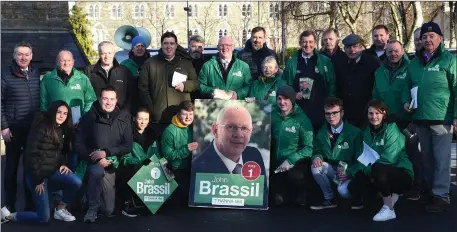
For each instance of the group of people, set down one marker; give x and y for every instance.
(76, 130)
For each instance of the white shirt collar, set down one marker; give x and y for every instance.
(306, 57)
(228, 162)
(338, 129)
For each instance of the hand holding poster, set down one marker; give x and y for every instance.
(230, 169)
(152, 186)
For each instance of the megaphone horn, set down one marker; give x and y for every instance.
(143, 32)
(124, 35)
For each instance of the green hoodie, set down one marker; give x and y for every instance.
(437, 86)
(389, 90)
(238, 79)
(260, 88)
(389, 143)
(347, 147)
(138, 155)
(292, 137)
(324, 66)
(174, 141)
(77, 92)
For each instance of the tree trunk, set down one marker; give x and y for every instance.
(396, 17)
(283, 32)
(452, 19)
(418, 20)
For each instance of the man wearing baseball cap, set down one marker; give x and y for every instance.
(433, 72)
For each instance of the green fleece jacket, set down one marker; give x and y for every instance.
(138, 155)
(238, 79)
(174, 141)
(260, 88)
(132, 66)
(347, 148)
(292, 137)
(388, 87)
(389, 143)
(324, 66)
(77, 92)
(437, 86)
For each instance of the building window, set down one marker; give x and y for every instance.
(139, 11)
(193, 11)
(246, 10)
(246, 34)
(221, 33)
(170, 11)
(94, 11)
(116, 11)
(274, 10)
(195, 32)
(222, 12)
(171, 30)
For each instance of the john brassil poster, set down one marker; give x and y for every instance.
(230, 167)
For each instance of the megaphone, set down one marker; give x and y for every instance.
(124, 35)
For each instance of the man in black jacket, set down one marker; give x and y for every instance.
(355, 79)
(380, 36)
(107, 71)
(103, 135)
(20, 101)
(255, 51)
(155, 85)
(331, 49)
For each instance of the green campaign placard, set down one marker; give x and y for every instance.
(152, 186)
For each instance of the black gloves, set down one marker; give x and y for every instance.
(146, 162)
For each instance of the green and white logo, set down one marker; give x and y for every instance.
(152, 186)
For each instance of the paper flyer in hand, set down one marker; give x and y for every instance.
(222, 94)
(178, 78)
(413, 104)
(368, 156)
(168, 173)
(75, 114)
(306, 86)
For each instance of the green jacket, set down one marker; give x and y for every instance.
(324, 66)
(292, 137)
(437, 86)
(260, 88)
(174, 142)
(389, 143)
(132, 66)
(77, 92)
(389, 90)
(347, 147)
(238, 79)
(138, 155)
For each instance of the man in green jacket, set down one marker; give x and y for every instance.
(433, 72)
(291, 150)
(225, 76)
(311, 75)
(156, 88)
(336, 141)
(177, 146)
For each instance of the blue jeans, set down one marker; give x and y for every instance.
(70, 185)
(323, 175)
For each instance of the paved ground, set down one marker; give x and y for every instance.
(410, 217)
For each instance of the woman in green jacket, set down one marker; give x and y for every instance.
(177, 146)
(392, 173)
(144, 147)
(265, 88)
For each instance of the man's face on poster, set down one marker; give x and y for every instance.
(232, 132)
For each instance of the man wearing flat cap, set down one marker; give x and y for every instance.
(355, 79)
(433, 72)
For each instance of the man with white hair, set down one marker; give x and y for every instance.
(19, 102)
(225, 76)
(107, 71)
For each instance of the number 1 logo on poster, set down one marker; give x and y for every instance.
(251, 170)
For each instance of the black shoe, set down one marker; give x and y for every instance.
(301, 200)
(426, 198)
(278, 200)
(437, 205)
(356, 204)
(327, 204)
(129, 210)
(413, 195)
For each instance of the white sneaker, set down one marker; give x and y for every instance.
(64, 215)
(384, 214)
(394, 199)
(4, 213)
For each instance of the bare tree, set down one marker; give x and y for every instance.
(157, 20)
(452, 20)
(207, 22)
(240, 30)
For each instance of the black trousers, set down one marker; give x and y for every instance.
(389, 179)
(123, 190)
(13, 151)
(180, 196)
(358, 186)
(295, 183)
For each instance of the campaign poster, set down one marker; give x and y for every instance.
(153, 184)
(230, 168)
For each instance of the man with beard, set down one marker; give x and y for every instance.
(380, 36)
(255, 51)
(107, 71)
(196, 47)
(155, 87)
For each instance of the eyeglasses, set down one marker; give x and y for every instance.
(233, 128)
(330, 114)
(225, 45)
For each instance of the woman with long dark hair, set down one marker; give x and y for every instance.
(45, 169)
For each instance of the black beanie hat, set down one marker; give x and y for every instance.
(430, 27)
(287, 92)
